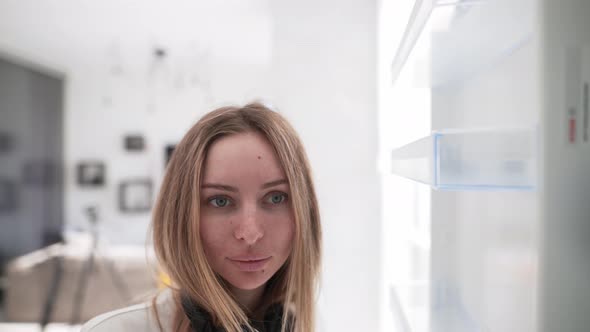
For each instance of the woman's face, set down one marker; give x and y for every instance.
(246, 223)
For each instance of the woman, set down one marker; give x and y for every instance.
(236, 227)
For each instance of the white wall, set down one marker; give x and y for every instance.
(325, 82)
(315, 62)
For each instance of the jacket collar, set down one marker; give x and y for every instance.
(201, 320)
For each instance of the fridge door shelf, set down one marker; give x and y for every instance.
(481, 160)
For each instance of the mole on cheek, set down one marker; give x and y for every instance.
(259, 157)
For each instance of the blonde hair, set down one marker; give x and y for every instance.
(175, 223)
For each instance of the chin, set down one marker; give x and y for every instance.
(248, 280)
(249, 283)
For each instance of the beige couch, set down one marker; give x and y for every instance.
(29, 278)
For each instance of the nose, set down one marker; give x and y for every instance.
(248, 228)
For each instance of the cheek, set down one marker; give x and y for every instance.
(214, 236)
(282, 233)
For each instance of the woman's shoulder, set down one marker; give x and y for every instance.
(135, 318)
(126, 319)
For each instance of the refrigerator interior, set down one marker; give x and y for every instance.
(464, 258)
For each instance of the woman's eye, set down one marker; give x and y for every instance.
(277, 198)
(219, 201)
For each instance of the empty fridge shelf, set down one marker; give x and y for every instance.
(485, 159)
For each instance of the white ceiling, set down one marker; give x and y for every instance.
(60, 33)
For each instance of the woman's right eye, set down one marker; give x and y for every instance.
(219, 201)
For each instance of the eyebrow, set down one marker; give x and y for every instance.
(274, 183)
(219, 186)
(234, 189)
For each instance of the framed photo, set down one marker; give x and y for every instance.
(135, 195)
(91, 174)
(8, 201)
(168, 152)
(134, 143)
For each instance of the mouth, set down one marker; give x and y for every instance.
(250, 264)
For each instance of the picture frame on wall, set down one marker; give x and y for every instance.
(134, 143)
(135, 195)
(91, 174)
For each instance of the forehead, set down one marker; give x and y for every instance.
(241, 157)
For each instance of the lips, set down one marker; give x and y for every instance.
(250, 263)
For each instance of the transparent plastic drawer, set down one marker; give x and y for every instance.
(485, 159)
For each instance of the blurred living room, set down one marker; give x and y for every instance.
(94, 95)
(449, 143)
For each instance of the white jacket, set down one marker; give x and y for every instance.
(137, 318)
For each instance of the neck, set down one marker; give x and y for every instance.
(248, 298)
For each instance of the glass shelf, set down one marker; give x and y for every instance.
(484, 159)
(452, 41)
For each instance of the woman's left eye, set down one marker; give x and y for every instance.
(276, 198)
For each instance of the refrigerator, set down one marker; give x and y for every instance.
(485, 163)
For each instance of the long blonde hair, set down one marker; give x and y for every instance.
(175, 223)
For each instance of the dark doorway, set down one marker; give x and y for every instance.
(31, 159)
